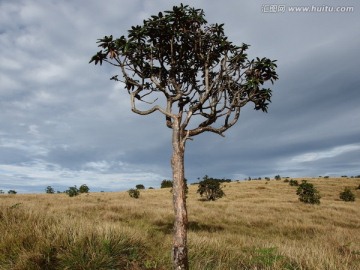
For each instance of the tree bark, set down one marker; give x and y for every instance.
(179, 251)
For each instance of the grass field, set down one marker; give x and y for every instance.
(257, 225)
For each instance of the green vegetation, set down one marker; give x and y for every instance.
(166, 184)
(49, 190)
(134, 193)
(210, 188)
(84, 189)
(293, 182)
(347, 195)
(308, 193)
(140, 186)
(72, 191)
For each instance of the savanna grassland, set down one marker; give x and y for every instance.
(257, 225)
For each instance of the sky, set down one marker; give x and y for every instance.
(64, 123)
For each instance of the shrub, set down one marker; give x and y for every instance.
(286, 181)
(347, 195)
(134, 193)
(140, 186)
(84, 189)
(277, 177)
(11, 191)
(72, 191)
(293, 182)
(308, 193)
(210, 188)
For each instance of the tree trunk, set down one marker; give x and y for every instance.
(179, 252)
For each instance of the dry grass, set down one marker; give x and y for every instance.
(257, 225)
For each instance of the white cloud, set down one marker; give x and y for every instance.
(330, 153)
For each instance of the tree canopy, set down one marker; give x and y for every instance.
(176, 55)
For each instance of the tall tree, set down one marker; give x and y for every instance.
(177, 64)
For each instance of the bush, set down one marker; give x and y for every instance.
(134, 193)
(72, 191)
(347, 195)
(140, 186)
(308, 193)
(277, 177)
(11, 191)
(293, 182)
(84, 189)
(210, 188)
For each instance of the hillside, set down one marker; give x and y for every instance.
(258, 225)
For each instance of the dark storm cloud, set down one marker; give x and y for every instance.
(63, 122)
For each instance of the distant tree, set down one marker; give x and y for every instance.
(49, 190)
(178, 65)
(166, 184)
(347, 195)
(1, 191)
(72, 191)
(210, 188)
(84, 189)
(151, 188)
(267, 178)
(11, 191)
(277, 177)
(134, 193)
(308, 193)
(140, 186)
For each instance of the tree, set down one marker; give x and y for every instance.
(140, 186)
(308, 193)
(11, 191)
(177, 64)
(210, 188)
(84, 189)
(49, 190)
(166, 184)
(277, 177)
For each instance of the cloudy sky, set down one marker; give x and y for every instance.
(64, 123)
